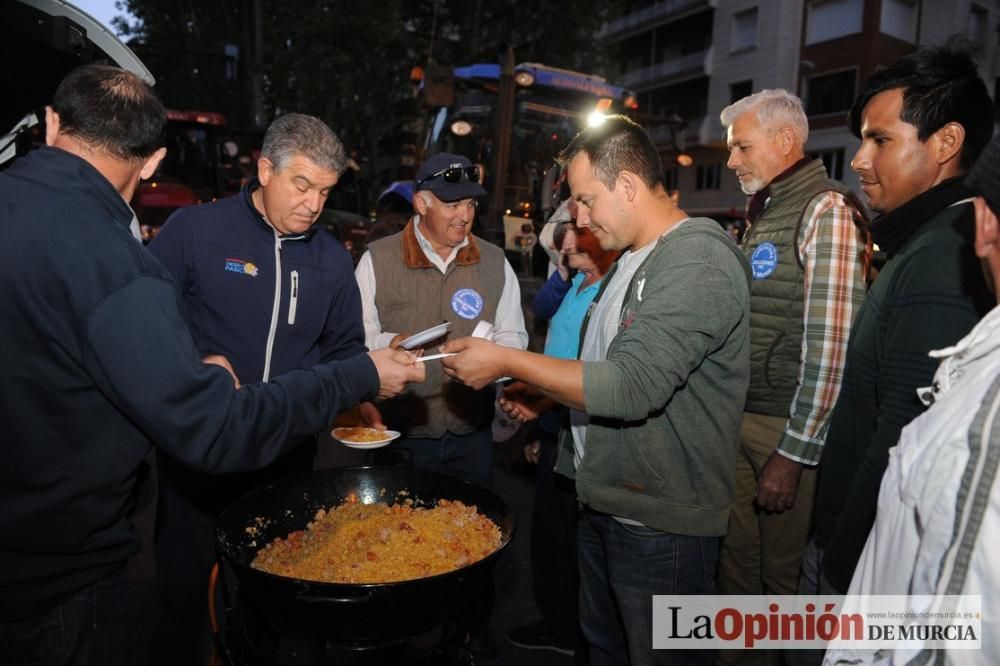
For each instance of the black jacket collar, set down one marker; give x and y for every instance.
(757, 202)
(892, 230)
(247, 196)
(69, 172)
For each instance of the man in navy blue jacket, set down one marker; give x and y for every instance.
(268, 292)
(97, 365)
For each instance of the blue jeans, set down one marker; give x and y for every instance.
(469, 457)
(91, 628)
(621, 568)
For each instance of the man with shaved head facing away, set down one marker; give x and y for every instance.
(99, 367)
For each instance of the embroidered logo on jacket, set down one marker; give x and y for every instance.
(242, 267)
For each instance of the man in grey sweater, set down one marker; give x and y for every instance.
(656, 397)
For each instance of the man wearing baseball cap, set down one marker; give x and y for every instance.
(433, 271)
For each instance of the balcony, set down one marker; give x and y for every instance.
(662, 11)
(674, 70)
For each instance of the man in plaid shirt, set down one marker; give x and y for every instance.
(809, 257)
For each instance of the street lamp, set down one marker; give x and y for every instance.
(461, 128)
(596, 119)
(684, 159)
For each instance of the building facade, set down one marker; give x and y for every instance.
(689, 59)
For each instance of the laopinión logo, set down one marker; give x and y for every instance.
(862, 622)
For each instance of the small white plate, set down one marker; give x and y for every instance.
(423, 337)
(339, 433)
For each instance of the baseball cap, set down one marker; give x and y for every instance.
(449, 177)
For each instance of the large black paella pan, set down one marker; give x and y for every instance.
(350, 613)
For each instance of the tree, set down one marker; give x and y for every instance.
(183, 42)
(558, 34)
(347, 63)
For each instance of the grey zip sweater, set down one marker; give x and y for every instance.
(665, 405)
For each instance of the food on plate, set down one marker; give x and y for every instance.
(360, 435)
(378, 543)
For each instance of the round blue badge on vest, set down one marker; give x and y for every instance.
(467, 303)
(764, 260)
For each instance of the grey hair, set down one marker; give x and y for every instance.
(427, 197)
(298, 134)
(773, 108)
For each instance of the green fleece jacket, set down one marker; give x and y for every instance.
(665, 405)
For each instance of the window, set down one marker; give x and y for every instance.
(830, 93)
(708, 177)
(833, 160)
(978, 23)
(744, 30)
(632, 64)
(739, 90)
(232, 61)
(670, 179)
(899, 19)
(829, 19)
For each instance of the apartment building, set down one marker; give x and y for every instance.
(688, 59)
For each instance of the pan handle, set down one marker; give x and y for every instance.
(305, 595)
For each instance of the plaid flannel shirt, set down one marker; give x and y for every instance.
(831, 252)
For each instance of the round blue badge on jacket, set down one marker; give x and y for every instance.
(764, 260)
(467, 303)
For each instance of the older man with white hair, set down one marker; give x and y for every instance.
(809, 257)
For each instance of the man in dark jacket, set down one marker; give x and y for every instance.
(99, 366)
(270, 293)
(922, 122)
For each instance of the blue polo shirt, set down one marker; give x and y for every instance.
(564, 329)
(564, 334)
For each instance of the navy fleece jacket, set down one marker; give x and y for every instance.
(96, 366)
(229, 263)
